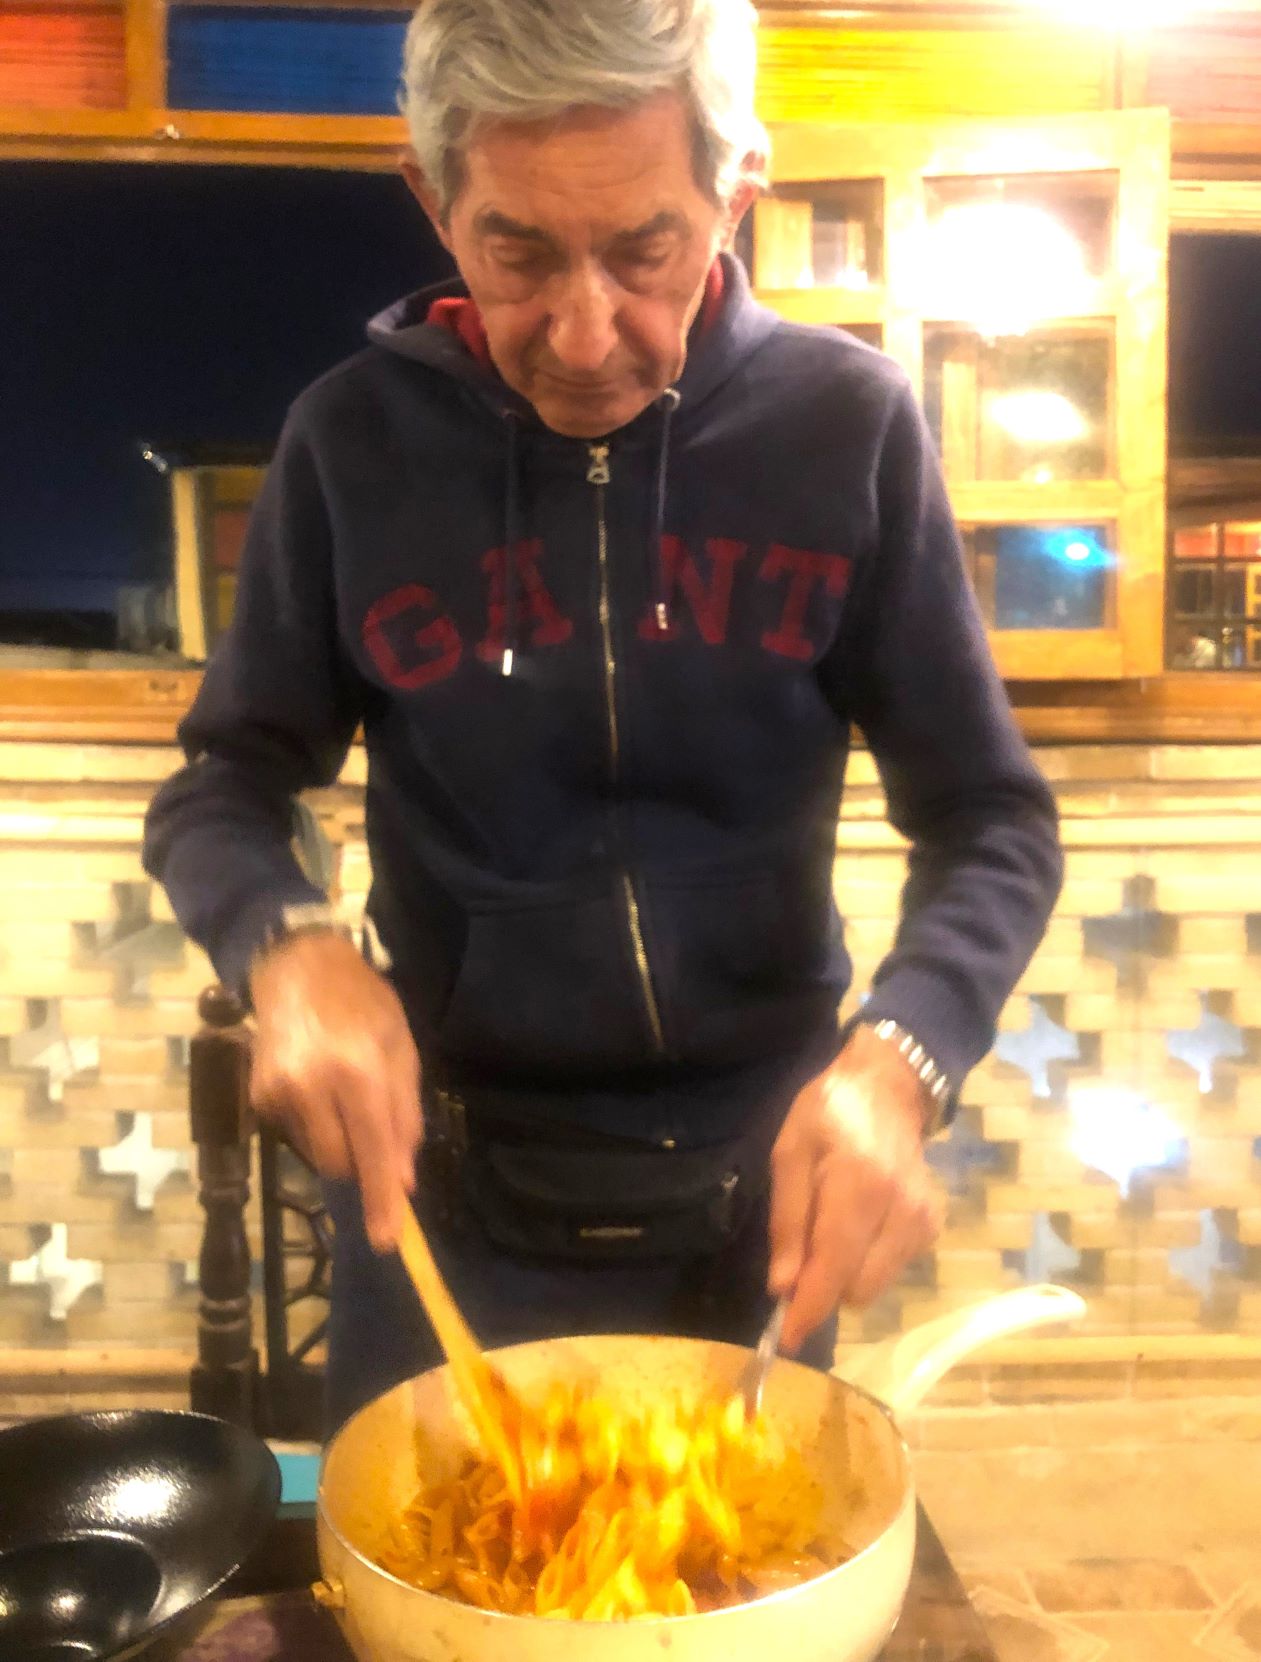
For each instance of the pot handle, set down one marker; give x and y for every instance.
(900, 1371)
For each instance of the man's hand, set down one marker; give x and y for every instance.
(335, 1062)
(852, 1198)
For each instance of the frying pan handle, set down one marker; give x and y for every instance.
(902, 1370)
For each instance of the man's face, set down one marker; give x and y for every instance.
(586, 242)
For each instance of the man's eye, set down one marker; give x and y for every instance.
(648, 256)
(520, 259)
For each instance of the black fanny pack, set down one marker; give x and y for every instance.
(542, 1191)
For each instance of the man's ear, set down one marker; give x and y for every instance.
(743, 196)
(425, 194)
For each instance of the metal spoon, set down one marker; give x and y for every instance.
(753, 1378)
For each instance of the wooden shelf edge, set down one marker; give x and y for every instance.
(1187, 708)
(144, 705)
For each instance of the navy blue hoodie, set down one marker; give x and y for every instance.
(604, 878)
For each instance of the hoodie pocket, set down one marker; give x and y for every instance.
(747, 966)
(547, 990)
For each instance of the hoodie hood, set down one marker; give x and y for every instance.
(717, 346)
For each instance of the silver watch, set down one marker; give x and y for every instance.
(302, 919)
(934, 1081)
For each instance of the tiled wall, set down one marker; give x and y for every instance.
(1113, 1141)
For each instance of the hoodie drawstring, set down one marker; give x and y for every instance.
(511, 529)
(660, 584)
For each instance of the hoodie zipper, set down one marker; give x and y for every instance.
(598, 476)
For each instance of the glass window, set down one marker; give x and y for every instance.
(1241, 542)
(1034, 408)
(1003, 253)
(1215, 596)
(827, 234)
(1198, 542)
(1042, 576)
(1195, 592)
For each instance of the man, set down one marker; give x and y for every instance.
(606, 560)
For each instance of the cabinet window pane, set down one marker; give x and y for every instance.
(1032, 408)
(820, 235)
(1002, 253)
(1042, 576)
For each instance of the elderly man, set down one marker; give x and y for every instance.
(607, 561)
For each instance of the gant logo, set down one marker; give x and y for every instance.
(414, 642)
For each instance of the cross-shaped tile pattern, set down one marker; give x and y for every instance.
(1047, 1257)
(44, 1048)
(1118, 1132)
(51, 1266)
(1133, 935)
(963, 1156)
(1217, 1253)
(136, 1157)
(133, 941)
(1032, 1049)
(1201, 1047)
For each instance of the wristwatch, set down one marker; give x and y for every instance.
(935, 1082)
(309, 917)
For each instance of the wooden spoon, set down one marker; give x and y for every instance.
(490, 1402)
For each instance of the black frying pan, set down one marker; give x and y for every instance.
(114, 1525)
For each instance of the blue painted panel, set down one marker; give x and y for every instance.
(299, 1478)
(282, 60)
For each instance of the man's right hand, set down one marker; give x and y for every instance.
(335, 1063)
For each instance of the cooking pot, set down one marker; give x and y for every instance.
(844, 1427)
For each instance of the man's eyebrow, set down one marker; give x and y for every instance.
(659, 225)
(491, 223)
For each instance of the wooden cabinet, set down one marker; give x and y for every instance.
(1017, 272)
(292, 83)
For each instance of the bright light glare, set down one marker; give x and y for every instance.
(1002, 266)
(1122, 15)
(1077, 551)
(1039, 417)
(1118, 1132)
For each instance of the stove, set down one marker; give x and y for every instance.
(283, 1624)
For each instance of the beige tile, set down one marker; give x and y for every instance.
(1031, 1383)
(1160, 1378)
(1224, 1571)
(1129, 1584)
(1020, 1633)
(1234, 1635)
(1146, 1638)
(978, 1428)
(987, 1579)
(1049, 1504)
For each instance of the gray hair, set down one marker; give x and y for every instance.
(472, 61)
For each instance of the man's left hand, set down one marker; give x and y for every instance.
(852, 1197)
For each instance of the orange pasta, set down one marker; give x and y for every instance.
(664, 1512)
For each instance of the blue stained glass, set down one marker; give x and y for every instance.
(1050, 577)
(284, 60)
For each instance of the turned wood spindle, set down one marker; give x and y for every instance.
(225, 1379)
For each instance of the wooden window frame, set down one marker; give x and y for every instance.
(1133, 146)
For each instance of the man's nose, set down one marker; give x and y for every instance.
(582, 333)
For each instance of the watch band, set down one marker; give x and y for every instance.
(934, 1081)
(308, 918)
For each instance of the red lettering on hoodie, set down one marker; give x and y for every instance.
(431, 650)
(548, 625)
(805, 571)
(710, 604)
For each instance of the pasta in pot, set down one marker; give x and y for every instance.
(611, 1515)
